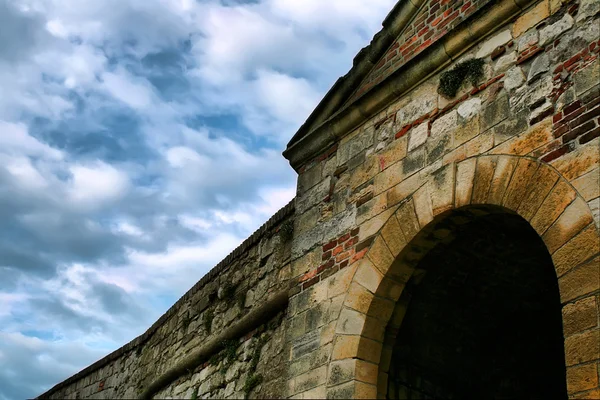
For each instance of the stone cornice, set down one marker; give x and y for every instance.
(320, 132)
(393, 25)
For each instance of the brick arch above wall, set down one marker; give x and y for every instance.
(485, 184)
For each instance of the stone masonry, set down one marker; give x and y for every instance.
(306, 306)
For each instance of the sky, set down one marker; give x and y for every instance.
(140, 143)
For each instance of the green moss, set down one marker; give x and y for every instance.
(228, 354)
(241, 299)
(451, 81)
(208, 319)
(195, 393)
(256, 354)
(228, 291)
(230, 350)
(185, 322)
(251, 382)
(286, 230)
(215, 359)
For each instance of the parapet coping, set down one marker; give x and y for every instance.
(253, 239)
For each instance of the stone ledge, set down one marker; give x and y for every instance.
(284, 212)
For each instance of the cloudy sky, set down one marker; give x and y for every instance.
(140, 142)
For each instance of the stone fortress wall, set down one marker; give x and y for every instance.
(382, 162)
(249, 362)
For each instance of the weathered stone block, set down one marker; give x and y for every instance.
(388, 178)
(580, 161)
(484, 173)
(365, 391)
(311, 379)
(313, 196)
(465, 174)
(514, 78)
(366, 372)
(422, 101)
(502, 175)
(418, 135)
(582, 347)
(393, 236)
(544, 179)
(368, 275)
(466, 130)
(551, 32)
(381, 309)
(580, 248)
(441, 189)
(341, 371)
(309, 178)
(527, 95)
(402, 190)
(505, 62)
(364, 172)
(357, 144)
(380, 255)
(499, 39)
(537, 136)
(580, 281)
(395, 152)
(582, 377)
(575, 217)
(422, 202)
(495, 112)
(480, 144)
(531, 18)
(519, 183)
(438, 146)
(370, 227)
(444, 124)
(315, 393)
(552, 206)
(580, 315)
(540, 66)
(338, 284)
(588, 185)
(528, 39)
(359, 298)
(345, 346)
(587, 9)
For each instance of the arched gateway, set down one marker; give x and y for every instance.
(444, 240)
(487, 321)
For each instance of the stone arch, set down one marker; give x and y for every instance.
(479, 185)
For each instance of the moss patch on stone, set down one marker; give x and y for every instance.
(286, 231)
(252, 382)
(451, 81)
(208, 319)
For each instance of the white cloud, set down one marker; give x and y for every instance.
(133, 92)
(130, 132)
(93, 185)
(15, 139)
(25, 174)
(286, 98)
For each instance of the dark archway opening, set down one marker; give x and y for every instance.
(484, 320)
